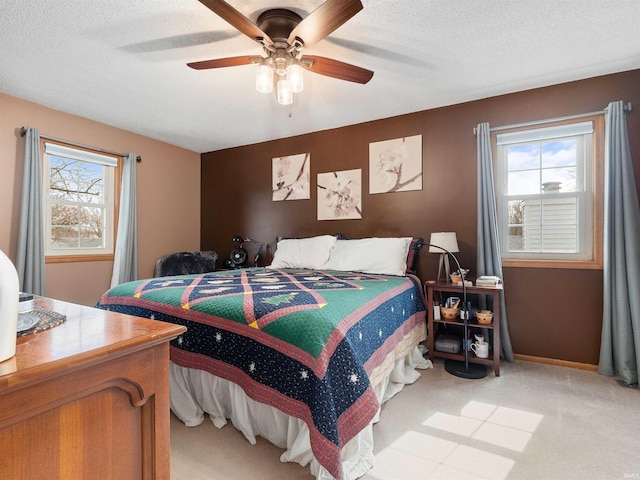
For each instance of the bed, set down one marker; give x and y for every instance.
(302, 356)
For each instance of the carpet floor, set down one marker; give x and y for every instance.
(533, 422)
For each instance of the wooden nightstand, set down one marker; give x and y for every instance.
(435, 326)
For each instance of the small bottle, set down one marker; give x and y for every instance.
(9, 298)
(26, 304)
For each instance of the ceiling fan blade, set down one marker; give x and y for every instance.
(223, 62)
(236, 19)
(337, 69)
(324, 20)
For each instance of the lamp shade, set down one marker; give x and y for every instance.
(264, 78)
(283, 92)
(295, 75)
(446, 240)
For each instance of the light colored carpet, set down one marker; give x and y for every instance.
(533, 422)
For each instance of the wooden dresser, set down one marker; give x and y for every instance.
(88, 399)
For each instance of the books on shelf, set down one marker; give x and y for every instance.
(487, 281)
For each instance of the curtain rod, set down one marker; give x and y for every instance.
(23, 132)
(627, 107)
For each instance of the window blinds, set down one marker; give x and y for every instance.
(82, 155)
(537, 134)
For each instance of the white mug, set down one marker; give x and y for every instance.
(481, 349)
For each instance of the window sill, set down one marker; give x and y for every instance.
(558, 264)
(78, 258)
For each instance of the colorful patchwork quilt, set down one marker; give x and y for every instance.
(303, 341)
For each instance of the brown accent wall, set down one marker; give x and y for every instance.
(553, 313)
(168, 183)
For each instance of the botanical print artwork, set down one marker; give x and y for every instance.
(395, 165)
(291, 179)
(340, 195)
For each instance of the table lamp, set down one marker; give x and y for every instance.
(443, 243)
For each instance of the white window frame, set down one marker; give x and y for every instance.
(110, 166)
(585, 193)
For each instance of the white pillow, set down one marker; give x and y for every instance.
(310, 252)
(387, 256)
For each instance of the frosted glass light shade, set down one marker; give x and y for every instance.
(283, 92)
(446, 240)
(295, 75)
(264, 79)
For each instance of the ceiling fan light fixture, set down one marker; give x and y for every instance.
(281, 61)
(283, 92)
(264, 78)
(283, 34)
(295, 75)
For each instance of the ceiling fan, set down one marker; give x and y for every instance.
(283, 34)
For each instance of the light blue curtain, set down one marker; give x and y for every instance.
(620, 341)
(30, 255)
(125, 262)
(488, 238)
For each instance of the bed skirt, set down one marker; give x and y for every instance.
(196, 392)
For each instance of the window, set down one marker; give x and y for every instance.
(79, 203)
(547, 194)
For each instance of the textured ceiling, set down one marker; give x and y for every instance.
(123, 62)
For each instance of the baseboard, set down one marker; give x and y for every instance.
(559, 363)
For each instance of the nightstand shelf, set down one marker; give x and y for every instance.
(494, 327)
